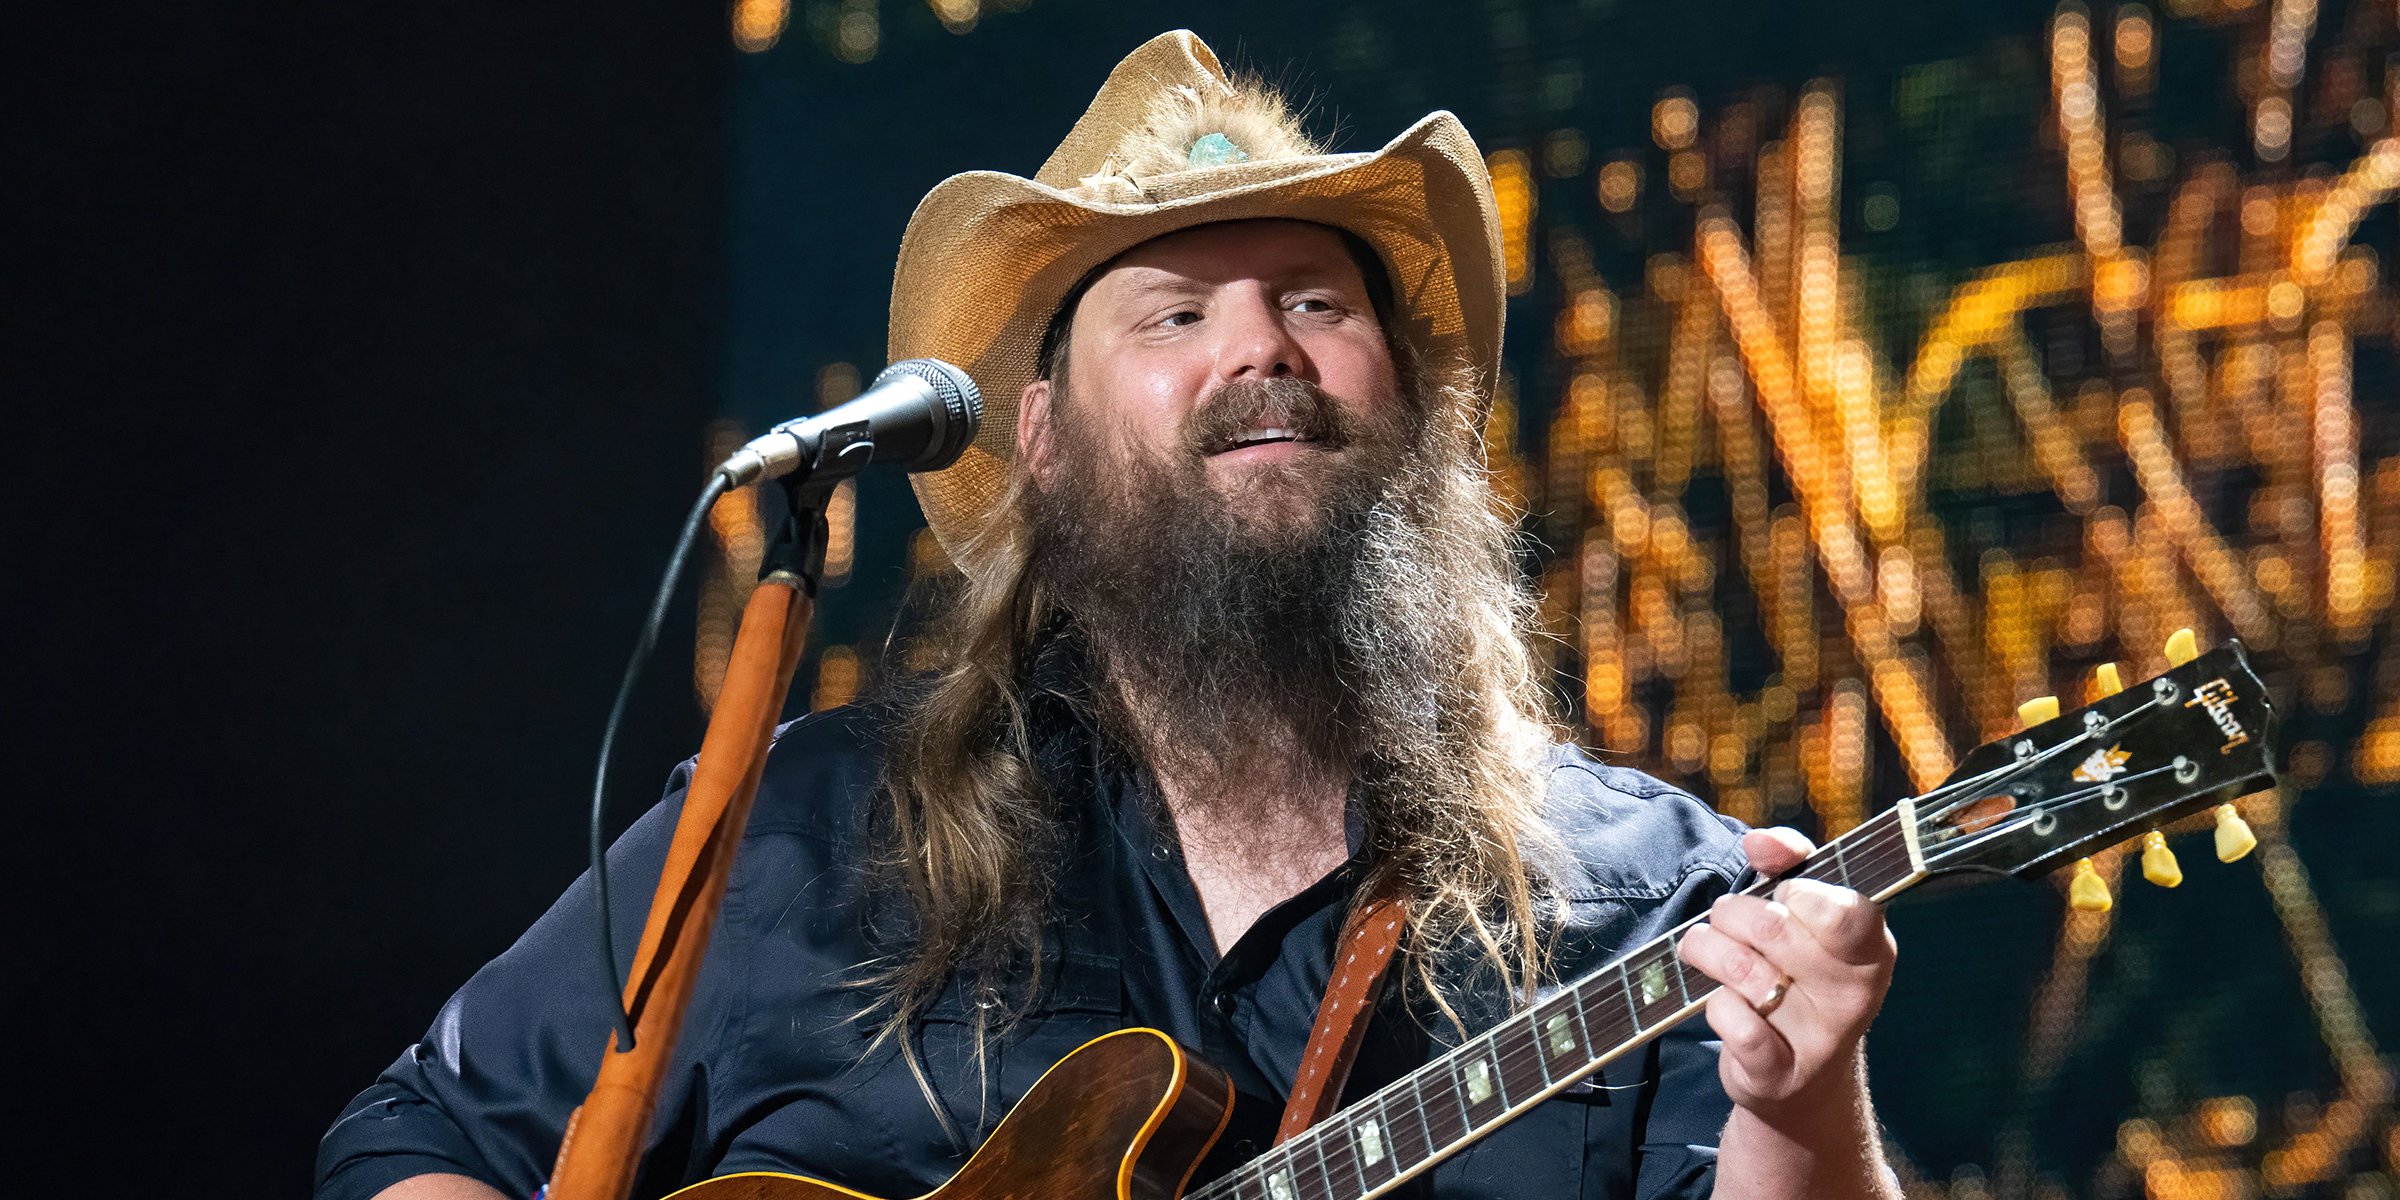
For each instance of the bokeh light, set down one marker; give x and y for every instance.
(758, 24)
(1853, 411)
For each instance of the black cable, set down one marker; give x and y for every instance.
(716, 488)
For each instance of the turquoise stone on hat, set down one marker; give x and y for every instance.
(1215, 150)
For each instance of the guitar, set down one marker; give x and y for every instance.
(1129, 1115)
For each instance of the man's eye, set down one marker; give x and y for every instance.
(1183, 317)
(1313, 304)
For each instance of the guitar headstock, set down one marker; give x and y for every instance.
(2123, 766)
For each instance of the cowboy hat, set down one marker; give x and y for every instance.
(1169, 143)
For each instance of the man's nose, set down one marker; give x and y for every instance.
(1258, 344)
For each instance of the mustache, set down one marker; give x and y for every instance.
(1246, 404)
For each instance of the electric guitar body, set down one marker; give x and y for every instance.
(1127, 1116)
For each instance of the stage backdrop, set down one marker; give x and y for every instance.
(1872, 368)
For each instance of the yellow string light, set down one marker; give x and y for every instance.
(758, 24)
(1756, 358)
(839, 676)
(1512, 195)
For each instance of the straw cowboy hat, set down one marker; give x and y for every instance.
(1169, 143)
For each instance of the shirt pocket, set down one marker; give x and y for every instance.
(1601, 1110)
(1570, 1145)
(1539, 1155)
(1080, 998)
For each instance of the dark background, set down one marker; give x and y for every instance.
(366, 349)
(362, 356)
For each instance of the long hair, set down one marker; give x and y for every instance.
(1456, 826)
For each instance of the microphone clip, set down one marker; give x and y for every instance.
(795, 507)
(843, 451)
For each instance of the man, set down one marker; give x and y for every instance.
(1238, 640)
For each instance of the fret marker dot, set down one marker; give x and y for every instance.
(1479, 1081)
(1561, 1041)
(1654, 982)
(1370, 1143)
(1279, 1185)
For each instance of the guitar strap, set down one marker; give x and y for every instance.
(1361, 956)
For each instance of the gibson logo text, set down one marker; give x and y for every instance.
(2217, 697)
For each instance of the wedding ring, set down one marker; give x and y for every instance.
(1774, 996)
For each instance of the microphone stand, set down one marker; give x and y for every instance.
(605, 1136)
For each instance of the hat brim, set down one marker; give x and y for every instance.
(988, 257)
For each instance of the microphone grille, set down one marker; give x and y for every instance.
(962, 410)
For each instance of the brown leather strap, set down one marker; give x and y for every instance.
(604, 1138)
(1360, 957)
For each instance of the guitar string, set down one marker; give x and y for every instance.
(2032, 813)
(1942, 797)
(1513, 1057)
(1882, 847)
(1522, 1047)
(1509, 1058)
(1874, 851)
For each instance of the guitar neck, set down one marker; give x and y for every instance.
(1438, 1110)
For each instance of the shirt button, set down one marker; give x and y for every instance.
(1223, 1003)
(1163, 852)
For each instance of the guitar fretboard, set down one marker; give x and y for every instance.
(1437, 1110)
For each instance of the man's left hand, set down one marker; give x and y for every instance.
(1804, 974)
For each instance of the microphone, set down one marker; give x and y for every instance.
(919, 415)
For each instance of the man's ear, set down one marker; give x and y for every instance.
(1033, 429)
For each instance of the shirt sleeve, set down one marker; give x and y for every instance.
(487, 1092)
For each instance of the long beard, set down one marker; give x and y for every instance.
(1313, 619)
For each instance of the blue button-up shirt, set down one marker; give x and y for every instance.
(775, 1070)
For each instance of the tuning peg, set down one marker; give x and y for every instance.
(2088, 892)
(2234, 839)
(2158, 862)
(2182, 646)
(2104, 682)
(2037, 710)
